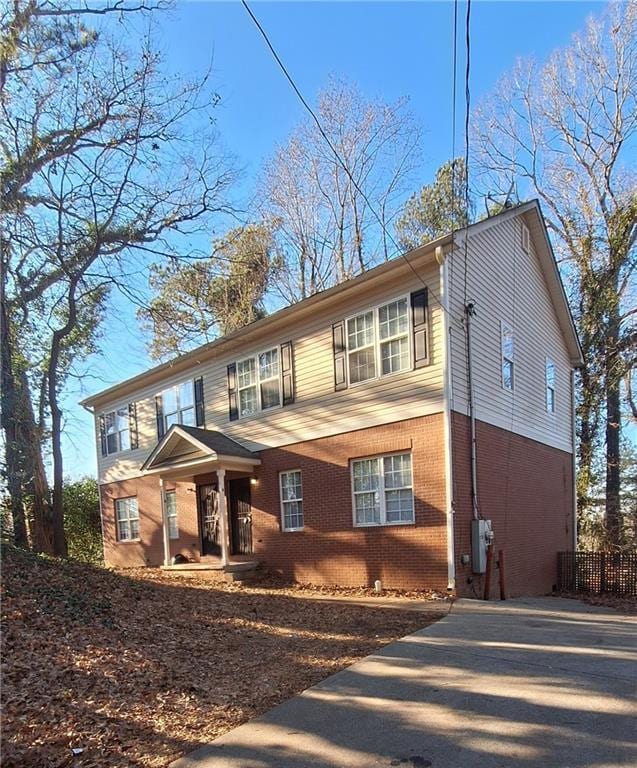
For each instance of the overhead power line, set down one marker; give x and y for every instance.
(330, 144)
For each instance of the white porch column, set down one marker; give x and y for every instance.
(223, 515)
(164, 521)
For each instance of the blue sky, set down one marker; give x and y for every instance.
(389, 49)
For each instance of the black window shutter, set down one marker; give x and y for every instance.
(420, 321)
(232, 392)
(287, 371)
(159, 410)
(132, 426)
(338, 342)
(199, 406)
(103, 435)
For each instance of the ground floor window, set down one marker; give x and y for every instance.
(171, 514)
(127, 515)
(291, 500)
(382, 489)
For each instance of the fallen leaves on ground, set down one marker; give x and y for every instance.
(621, 603)
(104, 668)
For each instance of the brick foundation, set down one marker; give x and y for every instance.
(149, 550)
(329, 550)
(526, 489)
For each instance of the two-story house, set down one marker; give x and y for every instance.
(356, 435)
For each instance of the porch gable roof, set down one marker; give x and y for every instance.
(183, 444)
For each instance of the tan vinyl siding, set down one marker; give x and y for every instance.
(508, 285)
(318, 410)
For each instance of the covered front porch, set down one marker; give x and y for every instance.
(221, 471)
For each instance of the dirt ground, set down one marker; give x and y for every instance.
(138, 668)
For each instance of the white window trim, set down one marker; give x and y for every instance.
(525, 238)
(179, 410)
(282, 503)
(549, 361)
(377, 341)
(505, 326)
(381, 489)
(168, 516)
(128, 519)
(114, 410)
(255, 357)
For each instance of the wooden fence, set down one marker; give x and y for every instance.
(598, 572)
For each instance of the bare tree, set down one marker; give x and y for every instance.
(563, 130)
(327, 231)
(106, 160)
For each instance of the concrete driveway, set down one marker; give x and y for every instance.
(542, 683)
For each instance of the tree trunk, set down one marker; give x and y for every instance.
(13, 460)
(36, 485)
(588, 425)
(613, 516)
(59, 537)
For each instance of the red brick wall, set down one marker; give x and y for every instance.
(526, 489)
(149, 550)
(330, 550)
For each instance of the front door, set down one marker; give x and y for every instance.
(241, 516)
(209, 519)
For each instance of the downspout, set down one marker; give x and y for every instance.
(475, 509)
(446, 378)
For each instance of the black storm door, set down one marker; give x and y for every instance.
(209, 520)
(241, 516)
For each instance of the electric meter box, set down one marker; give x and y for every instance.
(481, 538)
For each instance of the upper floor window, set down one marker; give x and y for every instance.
(181, 404)
(550, 385)
(291, 500)
(526, 238)
(259, 382)
(382, 488)
(171, 514)
(387, 339)
(262, 381)
(508, 355)
(118, 429)
(378, 341)
(127, 515)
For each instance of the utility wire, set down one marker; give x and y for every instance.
(335, 151)
(467, 92)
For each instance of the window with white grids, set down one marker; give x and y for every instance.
(382, 490)
(127, 518)
(117, 426)
(378, 341)
(178, 405)
(550, 385)
(507, 342)
(171, 514)
(291, 500)
(259, 382)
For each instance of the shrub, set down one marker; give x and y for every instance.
(82, 520)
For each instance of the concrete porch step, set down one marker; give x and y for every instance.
(233, 571)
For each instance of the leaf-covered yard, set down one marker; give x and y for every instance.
(136, 669)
